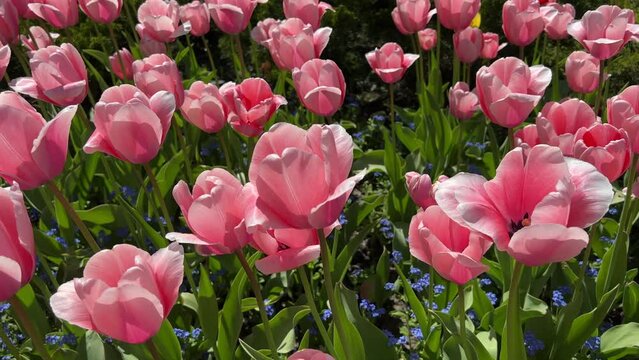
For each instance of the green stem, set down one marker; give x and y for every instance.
(47, 270)
(522, 53)
(511, 138)
(32, 331)
(462, 320)
(625, 212)
(311, 303)
(391, 93)
(185, 149)
(225, 149)
(74, 216)
(155, 353)
(601, 87)
(159, 197)
(240, 55)
(12, 348)
(210, 55)
(514, 338)
(260, 302)
(456, 69)
(84, 117)
(431, 293)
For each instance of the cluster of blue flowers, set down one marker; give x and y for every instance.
(386, 228)
(326, 314)
(61, 340)
(392, 340)
(416, 332)
(478, 145)
(185, 334)
(593, 344)
(532, 343)
(422, 283)
(396, 257)
(492, 297)
(371, 309)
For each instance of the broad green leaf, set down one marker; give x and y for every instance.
(631, 302)
(353, 345)
(100, 215)
(167, 343)
(91, 347)
(158, 240)
(254, 354)
(208, 310)
(282, 326)
(621, 341)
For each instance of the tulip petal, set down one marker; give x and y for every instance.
(168, 267)
(26, 86)
(288, 259)
(109, 265)
(542, 244)
(10, 277)
(592, 196)
(326, 213)
(50, 147)
(67, 305)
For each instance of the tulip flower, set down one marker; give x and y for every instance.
(556, 19)
(457, 14)
(557, 123)
(293, 43)
(389, 62)
(605, 31)
(467, 44)
(509, 90)
(17, 248)
(454, 251)
(70, 84)
(527, 137)
(285, 249)
(197, 14)
(421, 189)
(148, 45)
(232, 16)
(522, 21)
(427, 39)
(60, 14)
(158, 72)
(122, 64)
(9, 23)
(5, 57)
(282, 161)
(38, 38)
(623, 113)
(310, 354)
(262, 31)
(536, 206)
(411, 16)
(101, 11)
(605, 147)
(320, 86)
(490, 46)
(22, 6)
(463, 102)
(582, 72)
(125, 293)
(250, 105)
(160, 20)
(129, 125)
(204, 107)
(309, 11)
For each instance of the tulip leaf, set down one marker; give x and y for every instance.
(158, 241)
(91, 347)
(344, 258)
(621, 341)
(282, 327)
(208, 310)
(167, 343)
(415, 304)
(631, 302)
(100, 215)
(254, 354)
(353, 345)
(613, 267)
(27, 297)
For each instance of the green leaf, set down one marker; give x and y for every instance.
(167, 342)
(91, 347)
(208, 311)
(533, 308)
(613, 267)
(620, 341)
(158, 240)
(415, 304)
(631, 302)
(100, 215)
(344, 257)
(169, 172)
(27, 297)
(353, 348)
(282, 326)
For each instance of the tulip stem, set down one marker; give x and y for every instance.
(601, 87)
(391, 94)
(84, 117)
(511, 138)
(456, 69)
(625, 212)
(240, 55)
(12, 348)
(522, 53)
(159, 197)
(515, 337)
(260, 302)
(117, 51)
(7, 79)
(74, 216)
(155, 354)
(431, 293)
(32, 331)
(185, 148)
(462, 319)
(225, 149)
(311, 303)
(210, 55)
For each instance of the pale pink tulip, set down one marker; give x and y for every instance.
(623, 113)
(129, 125)
(556, 19)
(509, 90)
(232, 16)
(427, 39)
(468, 44)
(197, 14)
(320, 86)
(527, 137)
(160, 20)
(9, 23)
(605, 147)
(204, 107)
(158, 72)
(101, 11)
(582, 72)
(285, 249)
(122, 64)
(491, 46)
(463, 102)
(389, 62)
(557, 123)
(5, 57)
(421, 189)
(536, 206)
(40, 36)
(411, 16)
(457, 14)
(522, 21)
(310, 354)
(262, 31)
(58, 13)
(293, 43)
(309, 11)
(125, 293)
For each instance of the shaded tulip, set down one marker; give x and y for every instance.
(309, 11)
(60, 14)
(293, 43)
(320, 86)
(421, 189)
(556, 19)
(467, 44)
(536, 206)
(457, 14)
(527, 137)
(509, 90)
(463, 102)
(490, 46)
(9, 23)
(204, 107)
(310, 354)
(158, 72)
(101, 11)
(122, 64)
(557, 123)
(282, 161)
(232, 16)
(411, 16)
(22, 6)
(522, 21)
(427, 39)
(5, 57)
(623, 113)
(40, 36)
(389, 62)
(197, 14)
(17, 250)
(58, 77)
(262, 31)
(604, 32)
(160, 20)
(125, 293)
(605, 147)
(250, 105)
(582, 72)
(129, 125)
(148, 45)
(452, 250)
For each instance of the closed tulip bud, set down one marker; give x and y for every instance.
(122, 64)
(389, 62)
(309, 11)
(204, 107)
(9, 23)
(557, 123)
(262, 31)
(467, 44)
(557, 17)
(60, 14)
(421, 189)
(623, 113)
(158, 72)
(101, 11)
(293, 43)
(197, 14)
(457, 14)
(411, 16)
(38, 38)
(582, 72)
(463, 102)
(129, 125)
(232, 16)
(522, 21)
(5, 57)
(605, 147)
(427, 39)
(320, 86)
(491, 46)
(68, 87)
(160, 20)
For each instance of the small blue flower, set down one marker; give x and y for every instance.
(438, 289)
(389, 286)
(69, 339)
(396, 257)
(181, 334)
(492, 297)
(402, 340)
(558, 298)
(446, 310)
(613, 211)
(414, 271)
(357, 272)
(593, 343)
(358, 135)
(52, 339)
(533, 345)
(485, 281)
(417, 333)
(413, 356)
(392, 340)
(4, 307)
(270, 310)
(342, 219)
(386, 227)
(379, 117)
(195, 334)
(434, 307)
(326, 314)
(62, 242)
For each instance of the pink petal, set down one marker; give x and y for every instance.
(592, 196)
(50, 148)
(288, 259)
(168, 267)
(67, 305)
(326, 213)
(543, 244)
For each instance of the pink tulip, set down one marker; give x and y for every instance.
(282, 161)
(5, 57)
(427, 39)
(23, 9)
(509, 90)
(60, 14)
(310, 354)
(556, 19)
(457, 14)
(160, 20)
(463, 102)
(285, 249)
(262, 31)
(467, 44)
(623, 113)
(125, 293)
(101, 11)
(389, 62)
(158, 72)
(9, 23)
(58, 77)
(41, 37)
(214, 212)
(293, 43)
(17, 249)
(309, 11)
(250, 105)
(38, 149)
(148, 45)
(421, 189)
(582, 72)
(197, 14)
(605, 147)
(603, 32)
(491, 46)
(320, 86)
(411, 16)
(527, 137)
(232, 16)
(522, 21)
(557, 123)
(122, 64)
(204, 107)
(536, 206)
(451, 249)
(129, 125)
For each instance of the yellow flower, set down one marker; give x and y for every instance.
(476, 21)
